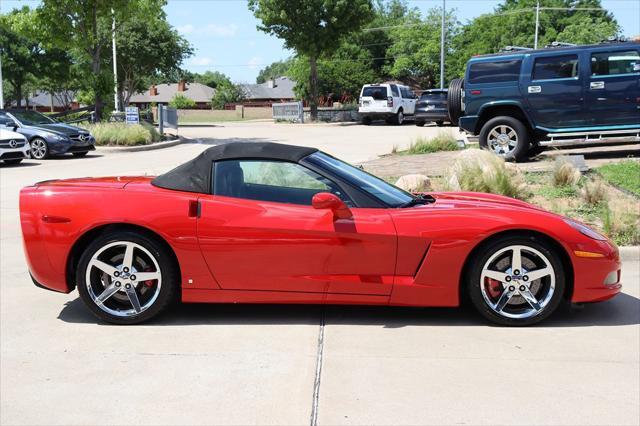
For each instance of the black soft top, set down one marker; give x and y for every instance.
(193, 176)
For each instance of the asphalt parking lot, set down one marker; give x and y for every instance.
(243, 364)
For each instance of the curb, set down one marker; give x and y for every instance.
(151, 147)
(630, 253)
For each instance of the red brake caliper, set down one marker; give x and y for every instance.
(494, 287)
(148, 283)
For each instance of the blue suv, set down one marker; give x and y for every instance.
(520, 101)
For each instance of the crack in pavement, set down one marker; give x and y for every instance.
(316, 382)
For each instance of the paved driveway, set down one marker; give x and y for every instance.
(210, 364)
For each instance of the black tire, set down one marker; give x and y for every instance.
(519, 152)
(398, 119)
(80, 154)
(474, 272)
(13, 161)
(366, 121)
(420, 123)
(439, 123)
(454, 100)
(169, 272)
(39, 149)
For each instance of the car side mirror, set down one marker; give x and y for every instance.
(11, 124)
(326, 200)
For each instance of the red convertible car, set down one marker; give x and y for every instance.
(271, 223)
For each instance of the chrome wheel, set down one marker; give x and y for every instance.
(38, 149)
(518, 282)
(502, 140)
(123, 278)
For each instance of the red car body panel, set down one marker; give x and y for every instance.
(262, 252)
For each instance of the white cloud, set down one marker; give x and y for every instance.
(186, 29)
(227, 30)
(254, 62)
(201, 61)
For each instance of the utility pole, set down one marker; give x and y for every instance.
(444, 11)
(535, 41)
(115, 65)
(1, 85)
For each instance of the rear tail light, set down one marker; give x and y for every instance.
(390, 101)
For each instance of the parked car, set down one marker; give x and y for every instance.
(520, 101)
(47, 136)
(13, 147)
(271, 223)
(388, 101)
(432, 107)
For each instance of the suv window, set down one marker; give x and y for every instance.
(610, 63)
(493, 72)
(394, 90)
(552, 67)
(407, 93)
(275, 181)
(376, 92)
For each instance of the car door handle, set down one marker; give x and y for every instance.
(596, 85)
(534, 89)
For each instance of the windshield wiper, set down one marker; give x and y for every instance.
(420, 199)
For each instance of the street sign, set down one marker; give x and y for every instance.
(132, 115)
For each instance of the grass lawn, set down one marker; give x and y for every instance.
(625, 174)
(442, 142)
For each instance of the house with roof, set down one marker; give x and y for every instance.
(44, 101)
(276, 90)
(163, 93)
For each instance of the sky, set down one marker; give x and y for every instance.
(224, 35)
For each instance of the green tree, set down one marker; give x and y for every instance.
(513, 24)
(312, 28)
(21, 52)
(180, 101)
(84, 27)
(226, 93)
(415, 48)
(147, 48)
(210, 78)
(274, 70)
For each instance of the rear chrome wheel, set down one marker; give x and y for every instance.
(126, 277)
(516, 281)
(502, 140)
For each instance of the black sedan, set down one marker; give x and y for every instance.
(432, 107)
(47, 136)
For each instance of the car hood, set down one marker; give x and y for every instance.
(59, 128)
(478, 200)
(7, 134)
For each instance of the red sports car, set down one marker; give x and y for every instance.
(271, 223)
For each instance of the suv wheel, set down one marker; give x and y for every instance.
(505, 136)
(399, 118)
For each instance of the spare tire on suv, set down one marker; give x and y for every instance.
(454, 100)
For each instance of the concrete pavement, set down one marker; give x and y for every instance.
(210, 364)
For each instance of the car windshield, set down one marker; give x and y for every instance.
(376, 92)
(385, 192)
(31, 117)
(433, 96)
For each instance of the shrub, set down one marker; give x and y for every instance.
(481, 171)
(565, 173)
(180, 101)
(123, 134)
(623, 229)
(442, 142)
(593, 192)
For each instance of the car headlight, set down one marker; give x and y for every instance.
(56, 137)
(585, 230)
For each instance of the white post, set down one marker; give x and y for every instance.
(535, 42)
(444, 11)
(115, 64)
(1, 86)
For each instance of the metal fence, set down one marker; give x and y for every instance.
(288, 111)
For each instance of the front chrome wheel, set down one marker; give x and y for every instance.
(123, 279)
(518, 282)
(502, 140)
(39, 149)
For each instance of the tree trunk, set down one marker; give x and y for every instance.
(95, 67)
(18, 90)
(313, 86)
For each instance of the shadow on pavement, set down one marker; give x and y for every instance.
(23, 164)
(622, 310)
